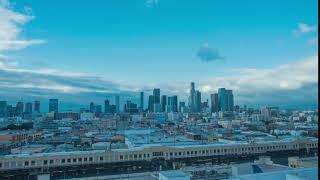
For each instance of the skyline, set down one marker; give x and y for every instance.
(267, 58)
(119, 102)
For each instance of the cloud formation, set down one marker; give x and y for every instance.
(53, 80)
(305, 28)
(283, 84)
(293, 84)
(206, 53)
(11, 23)
(151, 3)
(284, 77)
(308, 31)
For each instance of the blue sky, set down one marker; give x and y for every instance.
(146, 43)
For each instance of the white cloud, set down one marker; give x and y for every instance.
(295, 82)
(151, 3)
(55, 80)
(207, 54)
(11, 23)
(285, 77)
(305, 28)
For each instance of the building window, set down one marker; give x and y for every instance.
(121, 157)
(68, 160)
(74, 160)
(51, 161)
(85, 159)
(90, 158)
(101, 158)
(33, 163)
(45, 162)
(26, 163)
(63, 160)
(80, 159)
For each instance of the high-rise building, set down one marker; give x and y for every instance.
(175, 103)
(150, 103)
(53, 105)
(98, 109)
(156, 96)
(106, 106)
(141, 101)
(157, 107)
(205, 106)
(117, 102)
(225, 99)
(19, 108)
(131, 107)
(192, 98)
(37, 106)
(163, 103)
(169, 107)
(172, 104)
(92, 107)
(10, 111)
(230, 100)
(182, 106)
(28, 108)
(198, 101)
(3, 109)
(214, 103)
(156, 100)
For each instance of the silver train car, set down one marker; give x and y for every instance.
(150, 152)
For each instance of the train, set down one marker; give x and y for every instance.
(150, 152)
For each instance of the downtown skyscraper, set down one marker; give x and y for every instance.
(141, 107)
(226, 100)
(156, 107)
(214, 102)
(192, 98)
(150, 103)
(53, 105)
(28, 108)
(37, 106)
(163, 103)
